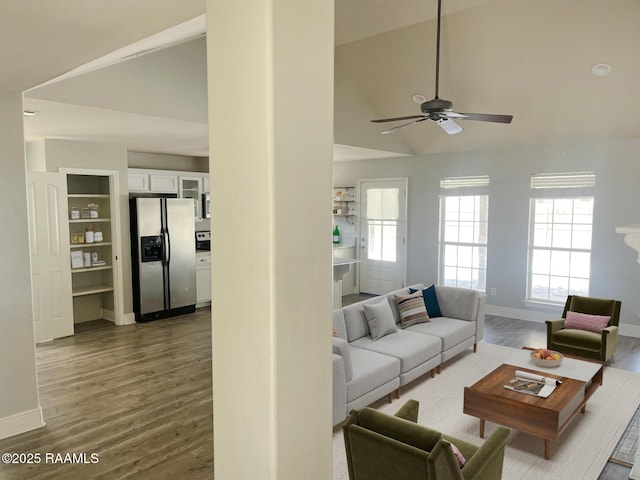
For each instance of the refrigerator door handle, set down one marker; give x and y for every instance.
(167, 247)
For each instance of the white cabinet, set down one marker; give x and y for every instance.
(191, 187)
(138, 181)
(162, 183)
(203, 278)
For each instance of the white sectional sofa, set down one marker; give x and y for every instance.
(366, 369)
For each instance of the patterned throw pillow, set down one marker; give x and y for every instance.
(430, 301)
(335, 332)
(584, 321)
(412, 309)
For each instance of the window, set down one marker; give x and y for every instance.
(560, 236)
(464, 213)
(382, 223)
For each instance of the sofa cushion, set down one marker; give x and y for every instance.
(411, 348)
(341, 347)
(370, 370)
(380, 319)
(585, 321)
(411, 309)
(451, 330)
(578, 339)
(399, 429)
(457, 302)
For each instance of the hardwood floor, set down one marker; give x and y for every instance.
(140, 397)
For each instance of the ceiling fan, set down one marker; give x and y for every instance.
(441, 111)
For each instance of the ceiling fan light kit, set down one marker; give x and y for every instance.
(601, 69)
(439, 110)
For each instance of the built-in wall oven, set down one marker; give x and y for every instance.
(206, 205)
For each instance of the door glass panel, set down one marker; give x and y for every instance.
(382, 215)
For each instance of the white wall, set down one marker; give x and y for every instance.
(19, 406)
(159, 161)
(614, 271)
(100, 156)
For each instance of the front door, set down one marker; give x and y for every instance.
(382, 231)
(50, 257)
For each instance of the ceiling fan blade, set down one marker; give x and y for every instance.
(409, 117)
(421, 118)
(485, 117)
(449, 126)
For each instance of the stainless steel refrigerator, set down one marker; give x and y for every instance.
(163, 257)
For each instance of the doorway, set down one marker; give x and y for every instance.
(382, 234)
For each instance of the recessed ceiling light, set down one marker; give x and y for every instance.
(417, 98)
(601, 69)
(29, 113)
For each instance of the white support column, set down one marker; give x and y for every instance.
(270, 74)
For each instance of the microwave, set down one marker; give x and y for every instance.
(206, 205)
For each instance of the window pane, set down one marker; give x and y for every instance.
(560, 262)
(374, 203)
(450, 232)
(579, 286)
(561, 236)
(390, 197)
(480, 257)
(464, 277)
(451, 255)
(374, 249)
(540, 287)
(543, 210)
(451, 208)
(466, 232)
(563, 210)
(450, 276)
(581, 237)
(558, 289)
(542, 235)
(541, 261)
(580, 264)
(465, 255)
(389, 230)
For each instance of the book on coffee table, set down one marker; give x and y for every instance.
(532, 384)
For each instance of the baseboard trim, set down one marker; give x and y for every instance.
(21, 422)
(127, 319)
(625, 329)
(518, 313)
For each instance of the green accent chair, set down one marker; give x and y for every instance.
(386, 447)
(581, 343)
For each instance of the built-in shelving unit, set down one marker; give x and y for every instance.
(344, 202)
(90, 232)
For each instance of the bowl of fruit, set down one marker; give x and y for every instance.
(546, 358)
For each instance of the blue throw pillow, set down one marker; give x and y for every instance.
(430, 301)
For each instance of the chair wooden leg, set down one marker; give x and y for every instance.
(439, 370)
(433, 373)
(475, 347)
(398, 393)
(389, 398)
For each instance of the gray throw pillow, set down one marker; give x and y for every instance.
(380, 319)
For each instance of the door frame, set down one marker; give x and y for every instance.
(359, 183)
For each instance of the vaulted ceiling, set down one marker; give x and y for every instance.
(529, 59)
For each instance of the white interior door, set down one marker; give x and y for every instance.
(382, 231)
(50, 257)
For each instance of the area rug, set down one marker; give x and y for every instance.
(581, 452)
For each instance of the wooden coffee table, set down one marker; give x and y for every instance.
(546, 418)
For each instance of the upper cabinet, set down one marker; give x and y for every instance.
(182, 184)
(191, 187)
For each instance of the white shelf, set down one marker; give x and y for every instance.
(91, 269)
(94, 244)
(88, 195)
(93, 289)
(90, 220)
